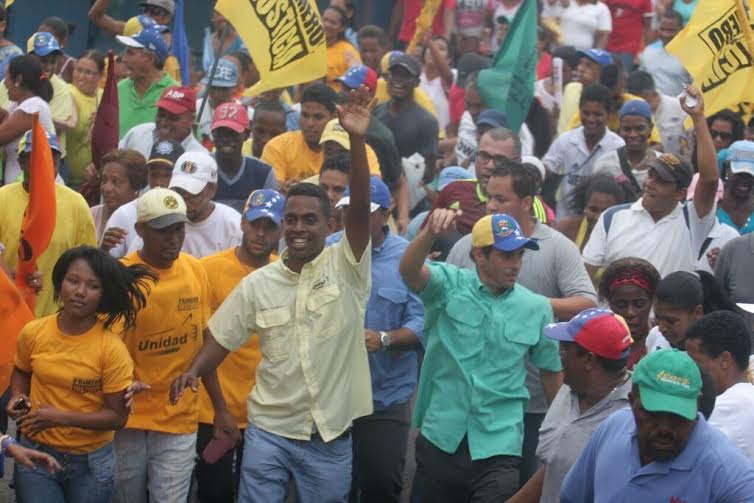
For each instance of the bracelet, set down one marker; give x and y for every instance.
(5, 441)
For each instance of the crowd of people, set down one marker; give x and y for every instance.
(267, 297)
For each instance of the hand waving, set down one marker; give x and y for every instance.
(354, 115)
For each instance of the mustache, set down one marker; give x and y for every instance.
(670, 437)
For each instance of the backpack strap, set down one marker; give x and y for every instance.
(607, 216)
(625, 167)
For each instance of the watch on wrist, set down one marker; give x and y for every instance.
(384, 338)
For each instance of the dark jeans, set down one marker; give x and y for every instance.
(379, 454)
(529, 462)
(217, 482)
(455, 478)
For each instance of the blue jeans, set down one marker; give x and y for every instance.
(321, 471)
(85, 478)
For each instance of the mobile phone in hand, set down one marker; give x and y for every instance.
(21, 405)
(217, 448)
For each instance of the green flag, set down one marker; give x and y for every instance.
(508, 85)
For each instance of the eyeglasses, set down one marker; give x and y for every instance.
(484, 157)
(86, 72)
(723, 135)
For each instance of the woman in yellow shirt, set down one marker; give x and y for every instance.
(341, 55)
(86, 97)
(71, 374)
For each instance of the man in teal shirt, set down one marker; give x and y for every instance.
(138, 94)
(479, 328)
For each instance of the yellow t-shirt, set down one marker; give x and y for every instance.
(61, 106)
(340, 57)
(72, 373)
(173, 68)
(80, 145)
(74, 226)
(237, 373)
(165, 340)
(290, 157)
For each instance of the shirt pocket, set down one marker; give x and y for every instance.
(326, 315)
(273, 336)
(462, 317)
(524, 332)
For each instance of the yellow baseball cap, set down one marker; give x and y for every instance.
(502, 232)
(160, 208)
(334, 132)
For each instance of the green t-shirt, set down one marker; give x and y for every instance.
(134, 109)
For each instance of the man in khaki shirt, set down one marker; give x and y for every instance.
(308, 310)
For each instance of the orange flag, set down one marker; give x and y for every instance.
(14, 314)
(39, 217)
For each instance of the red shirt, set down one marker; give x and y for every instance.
(628, 25)
(544, 66)
(457, 103)
(411, 11)
(466, 196)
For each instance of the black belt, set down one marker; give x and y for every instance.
(346, 434)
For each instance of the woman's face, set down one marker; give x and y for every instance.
(115, 187)
(333, 23)
(81, 290)
(634, 304)
(597, 203)
(86, 76)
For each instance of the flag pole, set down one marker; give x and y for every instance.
(212, 74)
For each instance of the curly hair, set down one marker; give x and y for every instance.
(600, 184)
(628, 268)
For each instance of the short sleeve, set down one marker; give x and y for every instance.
(572, 277)
(442, 277)
(578, 485)
(596, 248)
(553, 159)
(604, 20)
(699, 228)
(24, 348)
(119, 368)
(545, 353)
(235, 319)
(274, 157)
(358, 272)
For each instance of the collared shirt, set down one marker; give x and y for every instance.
(134, 109)
(709, 469)
(666, 70)
(566, 430)
(669, 117)
(569, 156)
(391, 305)
(464, 195)
(472, 380)
(670, 244)
(314, 369)
(556, 271)
(142, 137)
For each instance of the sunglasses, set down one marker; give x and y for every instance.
(724, 135)
(153, 10)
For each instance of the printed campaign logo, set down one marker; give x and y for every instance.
(504, 228)
(258, 199)
(164, 148)
(189, 167)
(724, 37)
(170, 202)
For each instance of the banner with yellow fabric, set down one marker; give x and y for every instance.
(716, 49)
(284, 37)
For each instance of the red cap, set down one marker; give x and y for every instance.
(231, 115)
(599, 331)
(178, 100)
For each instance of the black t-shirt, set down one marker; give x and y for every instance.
(414, 129)
(382, 142)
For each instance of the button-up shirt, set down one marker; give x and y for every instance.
(134, 109)
(142, 137)
(709, 468)
(314, 369)
(472, 380)
(391, 305)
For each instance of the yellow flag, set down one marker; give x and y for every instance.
(284, 37)
(8, 3)
(716, 49)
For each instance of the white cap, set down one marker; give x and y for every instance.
(193, 171)
(160, 208)
(534, 161)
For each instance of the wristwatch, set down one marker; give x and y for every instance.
(384, 339)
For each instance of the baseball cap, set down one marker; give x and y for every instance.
(469, 63)
(226, 74)
(451, 174)
(741, 157)
(193, 171)
(493, 118)
(534, 161)
(150, 38)
(160, 208)
(165, 152)
(231, 115)
(379, 195)
(407, 62)
(137, 23)
(672, 168)
(387, 60)
(669, 381)
(636, 107)
(24, 144)
(602, 58)
(334, 132)
(599, 331)
(360, 75)
(502, 232)
(264, 203)
(168, 5)
(178, 100)
(42, 44)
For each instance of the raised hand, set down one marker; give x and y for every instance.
(442, 221)
(354, 115)
(698, 110)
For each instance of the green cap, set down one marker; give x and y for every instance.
(669, 381)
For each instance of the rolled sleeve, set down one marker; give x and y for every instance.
(413, 316)
(235, 319)
(545, 353)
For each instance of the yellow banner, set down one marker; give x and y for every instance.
(284, 37)
(716, 49)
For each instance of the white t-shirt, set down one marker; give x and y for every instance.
(142, 137)
(580, 24)
(436, 91)
(668, 244)
(30, 106)
(219, 231)
(734, 416)
(718, 236)
(655, 340)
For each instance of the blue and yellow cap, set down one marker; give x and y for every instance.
(502, 232)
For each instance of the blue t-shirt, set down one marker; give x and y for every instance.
(710, 469)
(724, 218)
(253, 175)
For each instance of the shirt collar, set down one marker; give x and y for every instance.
(388, 237)
(639, 206)
(479, 193)
(684, 461)
(481, 287)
